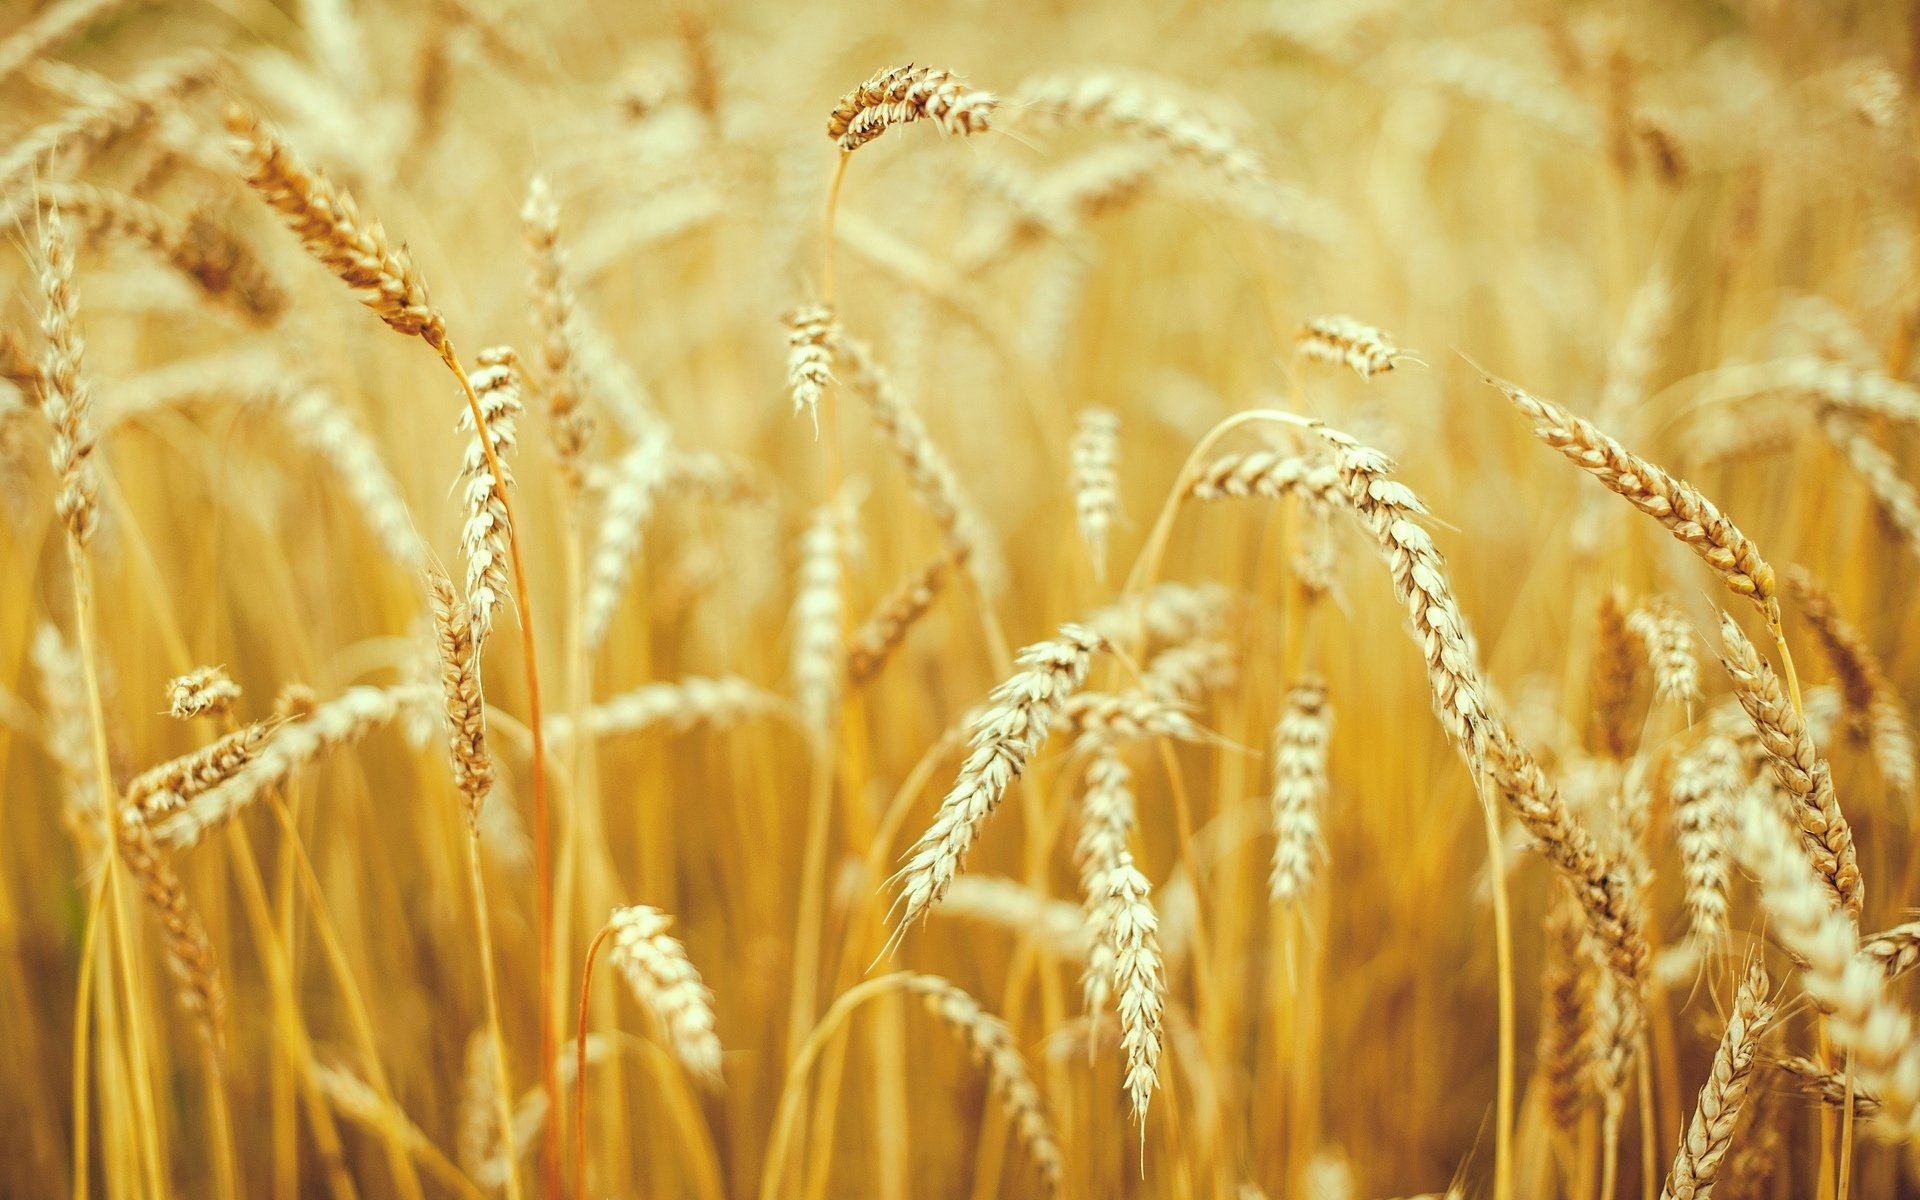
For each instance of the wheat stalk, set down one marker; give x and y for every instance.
(626, 504)
(1566, 987)
(1141, 108)
(1898, 500)
(819, 614)
(316, 419)
(486, 536)
(1614, 673)
(172, 784)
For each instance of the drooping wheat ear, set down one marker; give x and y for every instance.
(1265, 473)
(1139, 983)
(1006, 735)
(346, 719)
(1701, 790)
(992, 1045)
(1059, 925)
(656, 969)
(487, 531)
(1140, 107)
(1897, 950)
(1873, 709)
(624, 508)
(189, 951)
(1344, 340)
(1131, 717)
(569, 425)
(819, 618)
(811, 329)
(1679, 506)
(1798, 766)
(53, 25)
(201, 692)
(213, 259)
(1095, 454)
(677, 706)
(1299, 790)
(713, 477)
(466, 705)
(903, 94)
(1171, 612)
(1828, 1087)
(1863, 1020)
(96, 121)
(1106, 826)
(1190, 670)
(1668, 644)
(317, 420)
(1898, 500)
(1631, 359)
(935, 483)
(331, 228)
(1566, 989)
(169, 786)
(1389, 510)
(1696, 1166)
(65, 397)
(870, 646)
(1614, 673)
(1852, 389)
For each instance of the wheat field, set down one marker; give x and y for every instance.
(750, 601)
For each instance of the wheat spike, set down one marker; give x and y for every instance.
(1696, 1165)
(656, 969)
(901, 95)
(1095, 454)
(1299, 790)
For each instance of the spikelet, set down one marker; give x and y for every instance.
(1798, 766)
(819, 615)
(203, 691)
(1006, 735)
(486, 535)
(466, 706)
(625, 507)
(904, 94)
(329, 225)
(678, 706)
(569, 426)
(64, 397)
(870, 646)
(1679, 506)
(1299, 790)
(308, 734)
(811, 329)
(1095, 452)
(656, 969)
(991, 1044)
(1345, 340)
(1874, 713)
(1701, 790)
(1697, 1163)
(1668, 644)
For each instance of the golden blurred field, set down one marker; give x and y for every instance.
(1330, 960)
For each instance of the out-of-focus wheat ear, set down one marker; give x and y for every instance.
(1701, 788)
(1696, 1165)
(1667, 642)
(1140, 107)
(874, 642)
(1184, 673)
(1676, 504)
(901, 95)
(1566, 1013)
(1873, 710)
(655, 966)
(95, 121)
(1897, 950)
(465, 704)
(189, 951)
(1824, 831)
(1631, 359)
(1346, 340)
(811, 329)
(1095, 456)
(1615, 670)
(1898, 500)
(53, 25)
(819, 619)
(487, 531)
(1007, 733)
(317, 420)
(626, 504)
(991, 1043)
(65, 397)
(569, 425)
(201, 692)
(1106, 824)
(1299, 791)
(329, 225)
(1831, 1088)
(675, 706)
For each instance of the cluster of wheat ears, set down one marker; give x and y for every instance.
(371, 690)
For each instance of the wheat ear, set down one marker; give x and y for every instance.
(1095, 455)
(1299, 790)
(569, 425)
(901, 95)
(1873, 709)
(655, 966)
(1696, 1166)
